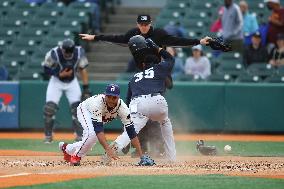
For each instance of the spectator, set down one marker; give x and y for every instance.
(276, 57)
(255, 53)
(276, 20)
(96, 16)
(250, 23)
(175, 29)
(197, 64)
(178, 66)
(217, 24)
(232, 24)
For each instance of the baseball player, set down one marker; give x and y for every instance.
(162, 39)
(145, 89)
(93, 113)
(62, 63)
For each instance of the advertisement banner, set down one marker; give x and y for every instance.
(9, 105)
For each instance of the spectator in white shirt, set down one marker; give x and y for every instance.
(197, 65)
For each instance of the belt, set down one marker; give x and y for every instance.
(148, 95)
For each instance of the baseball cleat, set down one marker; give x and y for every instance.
(48, 139)
(62, 147)
(75, 160)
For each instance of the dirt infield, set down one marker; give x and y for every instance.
(178, 137)
(22, 167)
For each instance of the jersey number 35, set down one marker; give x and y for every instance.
(148, 74)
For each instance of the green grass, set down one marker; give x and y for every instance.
(183, 148)
(166, 182)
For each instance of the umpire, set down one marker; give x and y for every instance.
(144, 28)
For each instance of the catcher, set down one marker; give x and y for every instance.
(162, 39)
(62, 63)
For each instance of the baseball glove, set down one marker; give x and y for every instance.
(206, 150)
(218, 44)
(146, 161)
(87, 93)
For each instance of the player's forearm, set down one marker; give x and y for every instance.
(84, 77)
(135, 142)
(102, 140)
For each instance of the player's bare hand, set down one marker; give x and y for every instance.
(87, 36)
(66, 73)
(205, 40)
(111, 154)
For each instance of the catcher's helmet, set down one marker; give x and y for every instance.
(68, 45)
(137, 43)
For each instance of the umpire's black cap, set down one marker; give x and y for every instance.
(144, 18)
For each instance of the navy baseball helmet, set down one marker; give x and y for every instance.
(137, 43)
(112, 90)
(68, 45)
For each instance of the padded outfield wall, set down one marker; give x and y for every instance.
(194, 107)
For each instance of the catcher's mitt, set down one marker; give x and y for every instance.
(87, 93)
(218, 44)
(206, 150)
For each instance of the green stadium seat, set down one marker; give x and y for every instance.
(23, 15)
(280, 70)
(275, 79)
(261, 69)
(53, 6)
(51, 15)
(72, 25)
(40, 24)
(3, 46)
(12, 67)
(21, 4)
(231, 68)
(80, 16)
(248, 78)
(81, 6)
(32, 33)
(14, 24)
(7, 35)
(217, 77)
(29, 75)
(27, 44)
(60, 35)
(15, 57)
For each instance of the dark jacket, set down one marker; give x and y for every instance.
(159, 36)
(252, 55)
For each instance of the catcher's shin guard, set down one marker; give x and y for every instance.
(50, 109)
(75, 123)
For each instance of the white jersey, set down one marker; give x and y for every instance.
(96, 105)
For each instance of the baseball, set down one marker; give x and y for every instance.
(227, 148)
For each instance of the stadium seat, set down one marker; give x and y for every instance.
(261, 69)
(248, 78)
(275, 79)
(51, 15)
(280, 70)
(11, 66)
(15, 57)
(231, 68)
(29, 75)
(3, 45)
(40, 24)
(23, 15)
(217, 77)
(32, 33)
(27, 44)
(13, 24)
(81, 6)
(53, 6)
(80, 16)
(72, 25)
(22, 5)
